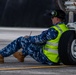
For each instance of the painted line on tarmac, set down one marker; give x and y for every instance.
(32, 67)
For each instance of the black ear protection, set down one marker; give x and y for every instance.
(57, 13)
(54, 13)
(60, 14)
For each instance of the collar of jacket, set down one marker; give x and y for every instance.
(59, 23)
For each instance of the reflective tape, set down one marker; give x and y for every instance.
(59, 28)
(52, 44)
(52, 51)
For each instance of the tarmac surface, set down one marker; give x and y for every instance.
(12, 66)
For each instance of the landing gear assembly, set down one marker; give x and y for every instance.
(67, 42)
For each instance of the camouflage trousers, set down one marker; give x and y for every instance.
(34, 50)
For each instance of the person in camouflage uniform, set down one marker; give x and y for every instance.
(33, 45)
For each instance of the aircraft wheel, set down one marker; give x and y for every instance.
(67, 48)
(61, 4)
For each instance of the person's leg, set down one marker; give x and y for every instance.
(21, 54)
(35, 51)
(13, 47)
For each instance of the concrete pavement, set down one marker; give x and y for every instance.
(31, 67)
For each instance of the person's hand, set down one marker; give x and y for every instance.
(26, 36)
(74, 4)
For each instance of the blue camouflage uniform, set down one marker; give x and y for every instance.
(31, 46)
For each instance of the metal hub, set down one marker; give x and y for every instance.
(73, 48)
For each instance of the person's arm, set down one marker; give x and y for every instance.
(44, 36)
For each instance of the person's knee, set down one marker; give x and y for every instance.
(20, 37)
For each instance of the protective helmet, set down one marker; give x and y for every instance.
(57, 13)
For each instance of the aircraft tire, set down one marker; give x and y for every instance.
(67, 49)
(61, 4)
